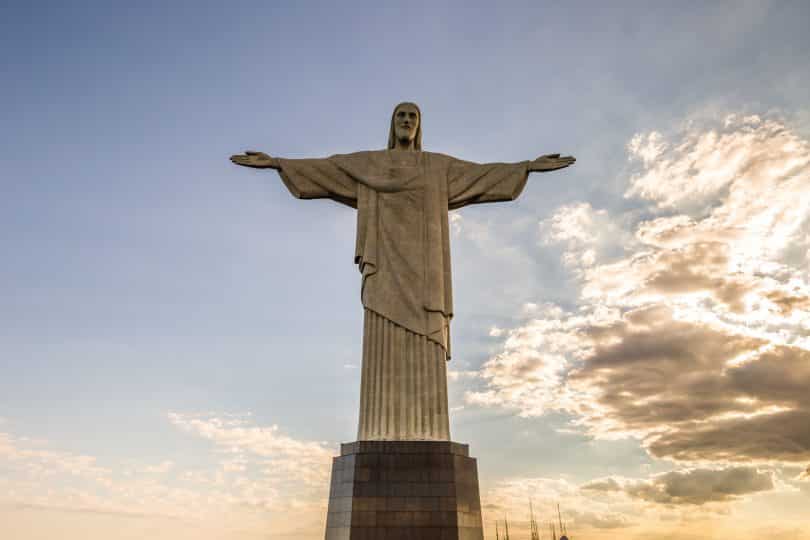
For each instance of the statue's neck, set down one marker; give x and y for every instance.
(405, 144)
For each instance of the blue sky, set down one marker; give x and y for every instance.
(146, 275)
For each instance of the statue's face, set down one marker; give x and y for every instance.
(406, 122)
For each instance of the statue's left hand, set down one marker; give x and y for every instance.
(550, 162)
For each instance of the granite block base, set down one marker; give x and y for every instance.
(404, 490)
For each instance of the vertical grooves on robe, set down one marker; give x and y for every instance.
(430, 391)
(434, 394)
(376, 348)
(403, 388)
(423, 397)
(366, 416)
(388, 393)
(417, 362)
(364, 383)
(399, 398)
(432, 384)
(444, 415)
(411, 389)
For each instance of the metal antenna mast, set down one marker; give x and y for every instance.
(535, 534)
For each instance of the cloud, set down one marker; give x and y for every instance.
(682, 387)
(253, 474)
(604, 484)
(161, 468)
(456, 221)
(724, 164)
(691, 486)
(588, 234)
(38, 462)
(694, 337)
(287, 460)
(527, 373)
(580, 509)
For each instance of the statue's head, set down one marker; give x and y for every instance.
(406, 126)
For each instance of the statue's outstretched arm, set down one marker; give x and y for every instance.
(311, 178)
(550, 162)
(256, 160)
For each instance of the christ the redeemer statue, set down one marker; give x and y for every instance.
(402, 196)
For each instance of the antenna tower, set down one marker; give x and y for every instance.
(535, 533)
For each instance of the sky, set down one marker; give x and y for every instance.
(180, 338)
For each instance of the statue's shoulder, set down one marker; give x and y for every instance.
(363, 155)
(438, 160)
(383, 157)
(438, 156)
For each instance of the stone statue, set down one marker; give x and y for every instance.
(402, 196)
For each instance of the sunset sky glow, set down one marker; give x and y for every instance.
(180, 338)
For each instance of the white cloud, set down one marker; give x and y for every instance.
(694, 336)
(161, 468)
(456, 222)
(589, 235)
(285, 459)
(257, 480)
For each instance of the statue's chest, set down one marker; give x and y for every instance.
(392, 178)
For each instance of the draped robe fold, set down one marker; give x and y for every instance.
(403, 253)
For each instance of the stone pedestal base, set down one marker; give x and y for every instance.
(404, 490)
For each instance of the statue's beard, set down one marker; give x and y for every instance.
(405, 135)
(405, 139)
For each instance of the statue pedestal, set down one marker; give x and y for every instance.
(404, 490)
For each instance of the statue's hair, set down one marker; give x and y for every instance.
(392, 134)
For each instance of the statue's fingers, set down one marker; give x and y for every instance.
(552, 156)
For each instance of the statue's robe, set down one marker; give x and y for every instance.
(403, 253)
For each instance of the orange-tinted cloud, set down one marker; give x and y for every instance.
(692, 333)
(690, 487)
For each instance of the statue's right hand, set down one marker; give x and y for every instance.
(257, 160)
